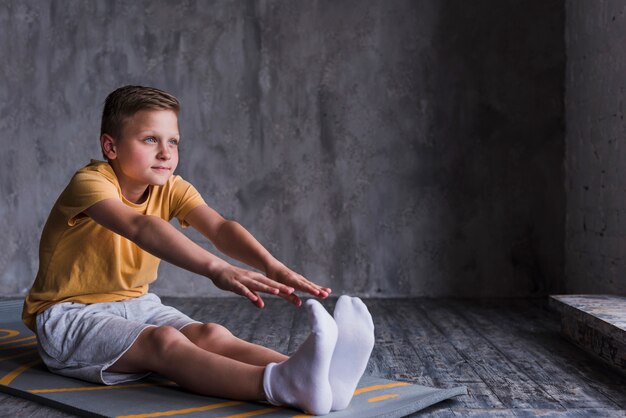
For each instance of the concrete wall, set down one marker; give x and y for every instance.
(595, 149)
(380, 148)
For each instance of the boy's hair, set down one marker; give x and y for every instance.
(124, 102)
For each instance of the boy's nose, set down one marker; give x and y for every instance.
(164, 153)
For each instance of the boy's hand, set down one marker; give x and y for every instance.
(282, 274)
(235, 241)
(248, 283)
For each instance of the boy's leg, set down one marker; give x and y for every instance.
(300, 381)
(168, 352)
(219, 340)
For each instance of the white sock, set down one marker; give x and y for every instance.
(354, 346)
(302, 380)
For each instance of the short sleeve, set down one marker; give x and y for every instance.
(183, 198)
(84, 190)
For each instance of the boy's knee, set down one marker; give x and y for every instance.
(215, 331)
(164, 338)
(209, 336)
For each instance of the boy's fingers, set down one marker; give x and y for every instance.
(241, 289)
(312, 288)
(307, 286)
(272, 284)
(297, 281)
(325, 292)
(284, 284)
(292, 298)
(249, 294)
(258, 285)
(259, 301)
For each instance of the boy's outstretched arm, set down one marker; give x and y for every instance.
(162, 240)
(235, 241)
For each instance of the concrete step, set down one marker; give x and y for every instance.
(596, 323)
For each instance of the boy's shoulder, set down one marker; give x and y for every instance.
(94, 182)
(97, 176)
(97, 168)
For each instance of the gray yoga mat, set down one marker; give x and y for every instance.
(22, 374)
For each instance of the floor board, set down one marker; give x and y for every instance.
(509, 353)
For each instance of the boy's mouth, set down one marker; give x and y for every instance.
(160, 168)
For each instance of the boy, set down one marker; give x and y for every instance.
(100, 249)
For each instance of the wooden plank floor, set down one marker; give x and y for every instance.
(509, 353)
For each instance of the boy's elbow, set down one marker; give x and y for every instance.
(138, 227)
(225, 228)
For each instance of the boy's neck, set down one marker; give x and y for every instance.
(135, 196)
(135, 193)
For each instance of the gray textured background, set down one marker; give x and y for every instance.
(380, 148)
(595, 244)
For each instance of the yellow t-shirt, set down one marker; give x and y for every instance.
(82, 261)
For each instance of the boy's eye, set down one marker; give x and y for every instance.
(150, 139)
(174, 141)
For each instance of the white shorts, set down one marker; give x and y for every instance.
(82, 341)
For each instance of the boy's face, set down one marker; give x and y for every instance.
(147, 151)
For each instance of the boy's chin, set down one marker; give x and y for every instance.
(160, 181)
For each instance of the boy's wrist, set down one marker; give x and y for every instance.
(270, 265)
(215, 266)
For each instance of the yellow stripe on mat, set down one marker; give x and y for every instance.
(19, 340)
(376, 387)
(182, 411)
(383, 397)
(103, 387)
(8, 378)
(253, 413)
(10, 333)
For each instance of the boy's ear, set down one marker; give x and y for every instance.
(108, 146)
